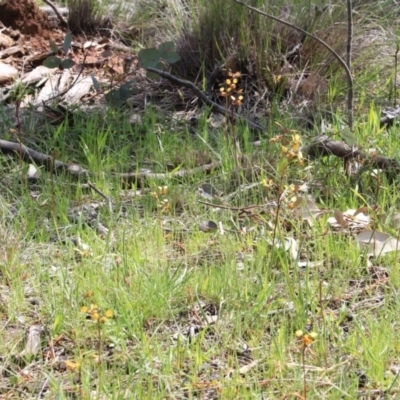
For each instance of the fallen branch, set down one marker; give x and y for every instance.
(140, 177)
(214, 106)
(52, 165)
(30, 155)
(62, 20)
(324, 146)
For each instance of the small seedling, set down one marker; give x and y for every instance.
(57, 62)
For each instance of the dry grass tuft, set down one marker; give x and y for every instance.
(84, 17)
(225, 33)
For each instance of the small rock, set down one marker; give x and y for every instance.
(7, 73)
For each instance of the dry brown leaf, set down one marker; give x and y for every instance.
(378, 243)
(355, 219)
(306, 209)
(340, 219)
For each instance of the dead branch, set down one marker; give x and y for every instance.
(214, 106)
(62, 20)
(33, 156)
(140, 177)
(52, 165)
(324, 146)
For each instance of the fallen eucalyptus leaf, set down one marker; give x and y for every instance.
(32, 172)
(306, 209)
(378, 243)
(340, 219)
(350, 219)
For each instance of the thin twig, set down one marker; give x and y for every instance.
(396, 59)
(350, 97)
(350, 92)
(99, 192)
(44, 386)
(62, 20)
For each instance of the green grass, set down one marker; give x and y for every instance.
(163, 286)
(198, 315)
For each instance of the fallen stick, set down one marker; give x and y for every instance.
(324, 146)
(62, 20)
(53, 165)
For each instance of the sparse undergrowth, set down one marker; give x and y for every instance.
(151, 300)
(230, 284)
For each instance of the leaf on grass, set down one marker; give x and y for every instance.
(350, 219)
(203, 193)
(395, 220)
(289, 244)
(348, 137)
(211, 319)
(246, 368)
(96, 83)
(340, 219)
(89, 43)
(377, 243)
(117, 97)
(208, 191)
(53, 47)
(216, 120)
(392, 220)
(307, 210)
(32, 172)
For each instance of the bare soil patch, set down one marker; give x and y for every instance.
(25, 16)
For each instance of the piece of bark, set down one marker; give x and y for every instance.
(33, 340)
(12, 51)
(79, 90)
(50, 89)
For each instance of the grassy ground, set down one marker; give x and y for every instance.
(183, 287)
(194, 314)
